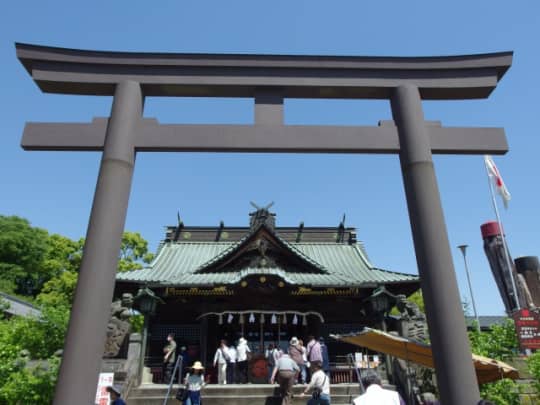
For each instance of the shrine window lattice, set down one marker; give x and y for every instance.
(184, 333)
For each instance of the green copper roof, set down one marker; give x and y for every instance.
(345, 265)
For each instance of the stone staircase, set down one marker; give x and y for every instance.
(249, 394)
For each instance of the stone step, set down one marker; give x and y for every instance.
(245, 394)
(235, 400)
(243, 389)
(248, 394)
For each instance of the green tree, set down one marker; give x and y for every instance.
(502, 392)
(533, 363)
(39, 337)
(499, 343)
(31, 384)
(22, 250)
(59, 290)
(133, 252)
(63, 254)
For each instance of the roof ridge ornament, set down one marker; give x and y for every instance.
(262, 216)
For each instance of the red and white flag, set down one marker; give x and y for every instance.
(497, 180)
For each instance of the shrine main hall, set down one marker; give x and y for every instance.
(263, 282)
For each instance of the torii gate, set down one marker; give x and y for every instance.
(268, 79)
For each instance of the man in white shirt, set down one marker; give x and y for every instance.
(221, 359)
(319, 383)
(243, 350)
(375, 394)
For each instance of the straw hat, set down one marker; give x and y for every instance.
(197, 366)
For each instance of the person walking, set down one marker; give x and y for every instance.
(194, 382)
(286, 371)
(243, 354)
(220, 361)
(314, 350)
(297, 354)
(375, 394)
(169, 358)
(186, 361)
(325, 357)
(115, 395)
(319, 384)
(232, 365)
(305, 368)
(272, 355)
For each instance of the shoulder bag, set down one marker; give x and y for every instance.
(317, 391)
(182, 394)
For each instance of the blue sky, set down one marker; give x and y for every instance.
(54, 190)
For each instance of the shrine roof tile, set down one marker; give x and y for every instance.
(346, 264)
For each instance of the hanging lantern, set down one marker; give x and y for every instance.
(230, 318)
(241, 319)
(304, 320)
(220, 319)
(273, 319)
(295, 320)
(284, 321)
(251, 318)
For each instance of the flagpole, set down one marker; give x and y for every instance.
(503, 237)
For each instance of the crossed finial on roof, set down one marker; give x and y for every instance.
(262, 215)
(263, 208)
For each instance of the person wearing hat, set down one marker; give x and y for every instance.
(297, 354)
(115, 394)
(242, 351)
(194, 381)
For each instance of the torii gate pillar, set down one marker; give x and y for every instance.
(437, 277)
(91, 308)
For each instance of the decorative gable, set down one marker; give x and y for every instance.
(261, 249)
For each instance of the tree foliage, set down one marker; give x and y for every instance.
(59, 290)
(133, 252)
(502, 392)
(25, 338)
(533, 363)
(22, 249)
(499, 343)
(31, 384)
(43, 268)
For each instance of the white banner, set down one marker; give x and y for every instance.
(105, 380)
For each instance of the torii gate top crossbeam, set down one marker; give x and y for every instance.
(70, 71)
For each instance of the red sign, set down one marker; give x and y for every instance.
(527, 328)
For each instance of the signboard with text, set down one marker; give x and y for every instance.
(527, 328)
(105, 380)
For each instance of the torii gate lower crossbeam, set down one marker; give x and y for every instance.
(404, 81)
